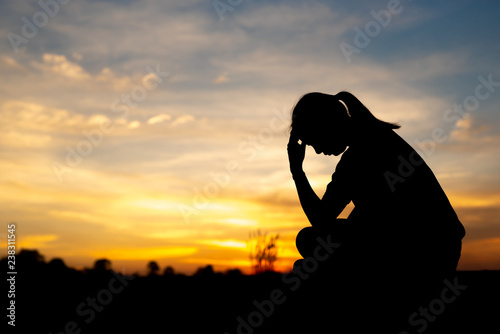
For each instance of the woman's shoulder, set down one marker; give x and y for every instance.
(389, 143)
(377, 148)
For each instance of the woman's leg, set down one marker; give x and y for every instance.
(307, 238)
(305, 241)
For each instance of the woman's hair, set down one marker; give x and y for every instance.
(314, 107)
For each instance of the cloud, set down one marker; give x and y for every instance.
(59, 64)
(33, 125)
(107, 76)
(133, 124)
(76, 56)
(226, 243)
(480, 254)
(36, 119)
(239, 222)
(37, 241)
(469, 130)
(11, 62)
(97, 119)
(159, 119)
(223, 78)
(15, 139)
(145, 254)
(183, 120)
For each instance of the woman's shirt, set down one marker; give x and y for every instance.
(393, 190)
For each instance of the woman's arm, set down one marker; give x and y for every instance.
(318, 211)
(311, 203)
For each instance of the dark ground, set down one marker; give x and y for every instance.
(51, 298)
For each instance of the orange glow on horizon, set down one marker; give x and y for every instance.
(145, 253)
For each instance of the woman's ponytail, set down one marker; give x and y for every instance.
(360, 114)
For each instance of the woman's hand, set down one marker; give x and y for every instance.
(308, 199)
(296, 154)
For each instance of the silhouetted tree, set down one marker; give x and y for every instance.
(102, 265)
(205, 271)
(263, 251)
(153, 267)
(234, 273)
(57, 264)
(169, 271)
(30, 255)
(30, 259)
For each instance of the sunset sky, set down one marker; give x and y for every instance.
(146, 130)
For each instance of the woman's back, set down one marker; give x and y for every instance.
(401, 212)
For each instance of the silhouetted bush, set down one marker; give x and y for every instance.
(153, 267)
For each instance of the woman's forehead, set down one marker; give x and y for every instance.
(308, 137)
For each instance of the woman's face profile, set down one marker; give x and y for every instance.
(326, 138)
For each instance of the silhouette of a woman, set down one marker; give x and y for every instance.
(402, 224)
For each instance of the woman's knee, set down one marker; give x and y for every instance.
(306, 233)
(305, 240)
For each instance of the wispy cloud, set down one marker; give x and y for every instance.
(159, 118)
(223, 78)
(59, 65)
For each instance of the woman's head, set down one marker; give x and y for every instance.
(329, 122)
